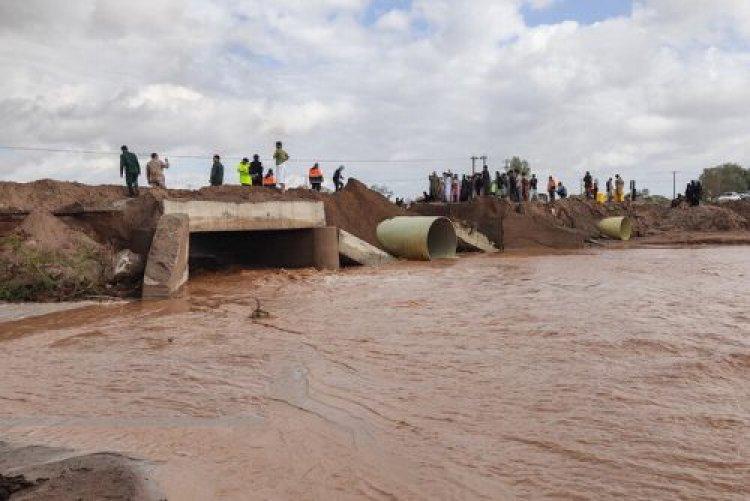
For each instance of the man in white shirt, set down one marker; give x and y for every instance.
(155, 171)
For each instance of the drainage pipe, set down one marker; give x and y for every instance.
(619, 228)
(419, 238)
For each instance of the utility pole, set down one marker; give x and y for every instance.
(484, 160)
(674, 184)
(473, 164)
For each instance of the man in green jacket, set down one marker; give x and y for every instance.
(130, 167)
(243, 169)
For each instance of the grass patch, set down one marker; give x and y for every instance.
(28, 273)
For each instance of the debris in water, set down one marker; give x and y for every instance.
(259, 312)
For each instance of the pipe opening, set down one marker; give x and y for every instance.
(210, 251)
(441, 240)
(626, 228)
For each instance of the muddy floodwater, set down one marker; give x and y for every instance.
(585, 376)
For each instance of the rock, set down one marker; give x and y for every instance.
(128, 264)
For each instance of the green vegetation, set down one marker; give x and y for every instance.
(723, 178)
(519, 164)
(28, 273)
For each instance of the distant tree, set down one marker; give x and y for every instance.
(517, 163)
(383, 190)
(725, 177)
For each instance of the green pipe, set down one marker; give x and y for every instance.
(420, 238)
(619, 228)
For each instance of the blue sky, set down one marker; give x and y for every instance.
(582, 11)
(379, 7)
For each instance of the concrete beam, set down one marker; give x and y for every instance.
(360, 252)
(209, 216)
(167, 264)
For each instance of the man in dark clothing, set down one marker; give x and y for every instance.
(465, 189)
(477, 184)
(217, 172)
(513, 186)
(533, 182)
(338, 181)
(486, 181)
(130, 167)
(256, 171)
(697, 192)
(587, 184)
(689, 193)
(434, 186)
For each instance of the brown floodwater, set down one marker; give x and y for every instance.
(608, 374)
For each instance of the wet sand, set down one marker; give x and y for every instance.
(591, 375)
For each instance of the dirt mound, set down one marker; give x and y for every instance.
(358, 210)
(513, 226)
(45, 231)
(741, 207)
(45, 259)
(50, 195)
(239, 194)
(702, 218)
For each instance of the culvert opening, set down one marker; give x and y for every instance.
(299, 248)
(441, 240)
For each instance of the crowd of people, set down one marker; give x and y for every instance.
(250, 173)
(515, 185)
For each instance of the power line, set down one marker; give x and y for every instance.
(209, 155)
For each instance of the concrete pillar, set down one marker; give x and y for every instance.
(325, 248)
(167, 264)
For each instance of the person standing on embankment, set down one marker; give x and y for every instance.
(155, 171)
(256, 170)
(217, 172)
(619, 189)
(281, 158)
(269, 180)
(315, 175)
(243, 169)
(131, 169)
(588, 183)
(551, 187)
(338, 178)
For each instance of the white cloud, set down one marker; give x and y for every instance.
(667, 88)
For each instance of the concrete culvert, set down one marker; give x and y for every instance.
(619, 228)
(418, 237)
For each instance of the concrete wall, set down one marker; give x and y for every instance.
(167, 264)
(209, 216)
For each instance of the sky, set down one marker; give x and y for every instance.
(392, 89)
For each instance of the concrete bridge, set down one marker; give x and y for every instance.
(274, 234)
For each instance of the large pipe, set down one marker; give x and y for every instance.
(619, 228)
(418, 237)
